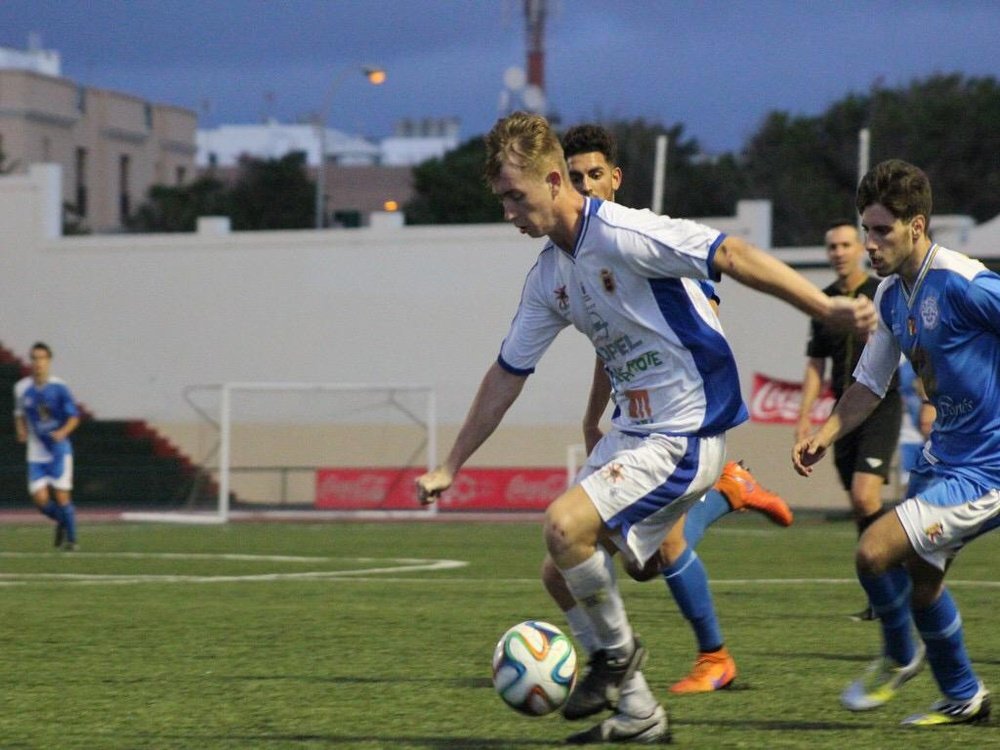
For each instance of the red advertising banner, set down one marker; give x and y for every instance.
(474, 489)
(777, 401)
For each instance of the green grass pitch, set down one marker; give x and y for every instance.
(355, 635)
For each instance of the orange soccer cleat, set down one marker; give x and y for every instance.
(711, 671)
(744, 492)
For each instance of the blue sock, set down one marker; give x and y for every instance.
(889, 595)
(688, 582)
(52, 510)
(69, 521)
(940, 626)
(703, 514)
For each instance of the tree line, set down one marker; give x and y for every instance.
(805, 165)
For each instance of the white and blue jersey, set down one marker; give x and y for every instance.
(634, 286)
(45, 408)
(948, 327)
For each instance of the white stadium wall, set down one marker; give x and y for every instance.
(134, 319)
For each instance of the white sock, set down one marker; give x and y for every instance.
(592, 584)
(636, 697)
(582, 629)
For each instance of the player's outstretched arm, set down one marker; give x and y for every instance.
(497, 392)
(761, 271)
(854, 407)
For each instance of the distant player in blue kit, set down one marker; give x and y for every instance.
(45, 415)
(628, 280)
(591, 156)
(941, 310)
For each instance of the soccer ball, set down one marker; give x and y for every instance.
(534, 667)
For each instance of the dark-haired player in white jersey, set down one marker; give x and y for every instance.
(941, 310)
(628, 280)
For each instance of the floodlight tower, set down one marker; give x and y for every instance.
(534, 17)
(525, 88)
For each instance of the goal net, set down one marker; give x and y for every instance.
(297, 448)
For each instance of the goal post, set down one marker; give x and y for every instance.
(273, 434)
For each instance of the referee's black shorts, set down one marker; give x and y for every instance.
(870, 448)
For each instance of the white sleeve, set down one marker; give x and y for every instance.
(534, 327)
(665, 247)
(879, 359)
(19, 388)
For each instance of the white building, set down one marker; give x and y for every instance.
(37, 60)
(412, 143)
(225, 145)
(416, 141)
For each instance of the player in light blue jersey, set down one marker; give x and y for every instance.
(941, 310)
(591, 156)
(628, 280)
(45, 414)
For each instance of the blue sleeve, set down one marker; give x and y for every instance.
(981, 302)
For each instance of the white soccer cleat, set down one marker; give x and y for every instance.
(881, 681)
(649, 730)
(948, 711)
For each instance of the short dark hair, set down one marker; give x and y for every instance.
(902, 188)
(842, 222)
(585, 139)
(43, 346)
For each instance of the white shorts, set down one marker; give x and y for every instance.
(938, 532)
(57, 473)
(641, 485)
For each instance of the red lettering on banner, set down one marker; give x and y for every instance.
(473, 489)
(777, 401)
(524, 489)
(366, 489)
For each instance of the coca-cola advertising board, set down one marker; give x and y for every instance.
(474, 489)
(776, 401)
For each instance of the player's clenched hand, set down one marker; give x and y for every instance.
(806, 453)
(432, 484)
(857, 314)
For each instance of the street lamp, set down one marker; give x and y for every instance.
(376, 77)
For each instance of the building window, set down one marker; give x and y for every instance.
(149, 116)
(46, 148)
(81, 99)
(181, 175)
(81, 182)
(123, 180)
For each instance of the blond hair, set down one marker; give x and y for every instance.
(525, 141)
